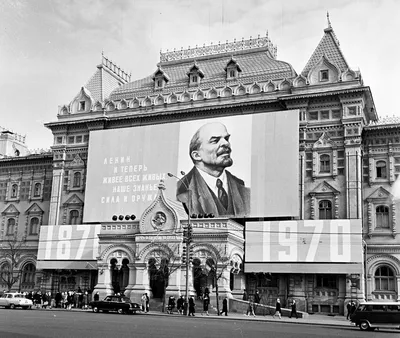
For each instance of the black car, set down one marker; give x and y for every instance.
(121, 304)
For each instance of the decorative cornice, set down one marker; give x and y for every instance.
(227, 47)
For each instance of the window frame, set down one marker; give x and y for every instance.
(77, 179)
(382, 217)
(325, 165)
(31, 225)
(389, 278)
(324, 75)
(383, 175)
(37, 189)
(11, 226)
(325, 209)
(73, 216)
(14, 191)
(82, 106)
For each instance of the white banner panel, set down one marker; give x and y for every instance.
(254, 156)
(314, 245)
(69, 242)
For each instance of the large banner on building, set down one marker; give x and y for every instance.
(68, 246)
(309, 246)
(238, 166)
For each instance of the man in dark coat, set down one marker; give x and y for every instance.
(348, 307)
(208, 188)
(294, 310)
(191, 306)
(224, 306)
(179, 304)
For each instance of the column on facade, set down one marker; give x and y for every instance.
(55, 200)
(398, 287)
(224, 284)
(141, 284)
(239, 284)
(174, 283)
(104, 285)
(353, 178)
(131, 280)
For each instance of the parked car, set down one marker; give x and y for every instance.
(11, 300)
(371, 315)
(121, 304)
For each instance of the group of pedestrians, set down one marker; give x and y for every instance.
(351, 307)
(69, 299)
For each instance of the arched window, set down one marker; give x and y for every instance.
(10, 226)
(325, 164)
(77, 179)
(384, 279)
(37, 190)
(381, 171)
(4, 272)
(382, 216)
(14, 191)
(28, 274)
(325, 209)
(73, 217)
(34, 226)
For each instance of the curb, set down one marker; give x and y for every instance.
(234, 317)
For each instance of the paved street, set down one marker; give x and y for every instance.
(60, 323)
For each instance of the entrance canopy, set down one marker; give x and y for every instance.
(309, 246)
(68, 247)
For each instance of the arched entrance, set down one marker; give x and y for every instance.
(119, 275)
(158, 274)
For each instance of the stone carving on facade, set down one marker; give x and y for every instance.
(159, 216)
(322, 192)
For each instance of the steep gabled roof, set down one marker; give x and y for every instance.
(328, 47)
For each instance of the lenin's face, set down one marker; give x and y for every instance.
(215, 149)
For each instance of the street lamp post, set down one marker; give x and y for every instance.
(187, 241)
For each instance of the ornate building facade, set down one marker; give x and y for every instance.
(347, 171)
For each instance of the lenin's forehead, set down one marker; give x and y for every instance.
(212, 129)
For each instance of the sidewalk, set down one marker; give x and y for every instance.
(315, 319)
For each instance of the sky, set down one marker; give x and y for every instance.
(49, 49)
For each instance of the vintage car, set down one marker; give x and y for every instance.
(11, 300)
(121, 304)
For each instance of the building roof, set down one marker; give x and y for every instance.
(257, 63)
(328, 47)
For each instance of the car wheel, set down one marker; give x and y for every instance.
(120, 311)
(12, 306)
(95, 309)
(364, 326)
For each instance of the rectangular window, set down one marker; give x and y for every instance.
(82, 105)
(324, 75)
(71, 139)
(352, 111)
(313, 116)
(325, 115)
(79, 139)
(326, 281)
(232, 73)
(86, 138)
(194, 79)
(59, 139)
(336, 114)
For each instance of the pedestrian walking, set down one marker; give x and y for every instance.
(147, 302)
(353, 308)
(179, 305)
(191, 306)
(278, 309)
(143, 302)
(348, 306)
(171, 304)
(224, 306)
(206, 303)
(294, 310)
(250, 309)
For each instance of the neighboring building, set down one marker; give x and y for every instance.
(381, 193)
(12, 144)
(25, 190)
(343, 166)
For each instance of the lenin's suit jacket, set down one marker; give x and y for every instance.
(203, 200)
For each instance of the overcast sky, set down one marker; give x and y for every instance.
(49, 49)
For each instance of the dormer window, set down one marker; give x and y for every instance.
(324, 75)
(195, 75)
(160, 78)
(82, 105)
(232, 69)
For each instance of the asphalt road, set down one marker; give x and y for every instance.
(52, 323)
